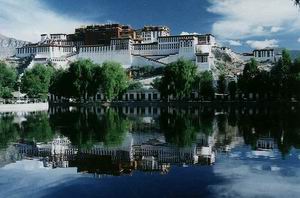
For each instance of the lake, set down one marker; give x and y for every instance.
(130, 151)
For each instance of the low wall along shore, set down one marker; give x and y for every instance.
(24, 107)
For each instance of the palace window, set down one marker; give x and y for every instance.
(202, 59)
(131, 96)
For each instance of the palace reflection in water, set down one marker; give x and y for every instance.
(122, 140)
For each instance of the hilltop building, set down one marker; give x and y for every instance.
(101, 34)
(270, 55)
(267, 54)
(151, 45)
(150, 34)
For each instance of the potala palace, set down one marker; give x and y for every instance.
(149, 46)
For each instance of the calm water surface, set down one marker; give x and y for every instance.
(151, 152)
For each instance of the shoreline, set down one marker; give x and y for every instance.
(34, 107)
(178, 103)
(31, 107)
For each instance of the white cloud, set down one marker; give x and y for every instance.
(28, 19)
(188, 33)
(298, 40)
(276, 29)
(27, 178)
(257, 178)
(247, 18)
(262, 44)
(234, 43)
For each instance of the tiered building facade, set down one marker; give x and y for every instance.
(151, 45)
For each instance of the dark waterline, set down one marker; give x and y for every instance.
(130, 151)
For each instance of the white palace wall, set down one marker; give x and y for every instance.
(100, 55)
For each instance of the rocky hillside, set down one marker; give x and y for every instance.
(227, 62)
(8, 46)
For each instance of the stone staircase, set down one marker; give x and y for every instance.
(151, 60)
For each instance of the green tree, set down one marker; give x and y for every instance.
(85, 79)
(36, 81)
(222, 84)
(156, 83)
(60, 84)
(81, 77)
(178, 79)
(295, 67)
(280, 74)
(294, 85)
(8, 78)
(207, 89)
(286, 61)
(232, 88)
(246, 80)
(96, 80)
(251, 69)
(114, 80)
(262, 83)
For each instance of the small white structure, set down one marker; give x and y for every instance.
(265, 147)
(150, 34)
(55, 49)
(267, 55)
(142, 95)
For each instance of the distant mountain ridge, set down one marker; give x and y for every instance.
(8, 46)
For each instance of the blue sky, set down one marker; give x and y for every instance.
(240, 24)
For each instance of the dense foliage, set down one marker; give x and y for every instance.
(222, 84)
(207, 89)
(114, 80)
(178, 79)
(84, 79)
(36, 81)
(282, 82)
(8, 78)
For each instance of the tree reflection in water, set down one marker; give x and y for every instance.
(181, 126)
(142, 139)
(9, 131)
(86, 128)
(36, 127)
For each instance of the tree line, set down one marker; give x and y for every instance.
(180, 81)
(83, 79)
(282, 82)
(85, 128)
